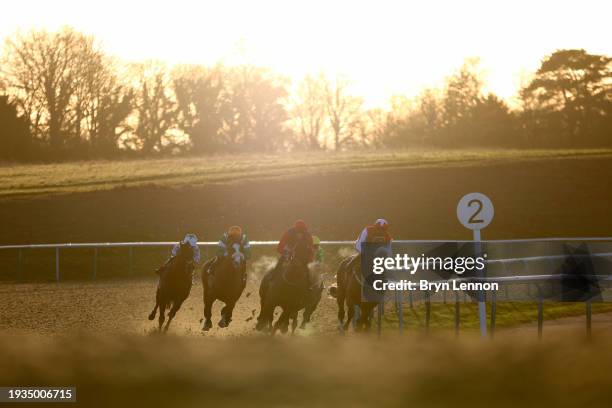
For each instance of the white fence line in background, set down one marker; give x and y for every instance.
(264, 243)
(131, 245)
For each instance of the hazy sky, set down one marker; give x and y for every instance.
(385, 47)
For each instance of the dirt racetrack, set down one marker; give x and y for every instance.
(122, 306)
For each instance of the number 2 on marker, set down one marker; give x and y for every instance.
(473, 219)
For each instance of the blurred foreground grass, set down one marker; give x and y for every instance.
(173, 172)
(353, 371)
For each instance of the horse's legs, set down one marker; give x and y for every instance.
(154, 311)
(349, 317)
(162, 315)
(226, 314)
(341, 312)
(152, 314)
(294, 321)
(365, 318)
(282, 323)
(308, 311)
(266, 315)
(208, 302)
(175, 307)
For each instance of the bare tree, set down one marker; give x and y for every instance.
(343, 112)
(43, 71)
(256, 117)
(201, 99)
(155, 108)
(67, 88)
(309, 111)
(463, 92)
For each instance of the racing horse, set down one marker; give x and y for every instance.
(311, 300)
(286, 287)
(174, 285)
(223, 280)
(349, 291)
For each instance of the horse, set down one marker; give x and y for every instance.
(225, 283)
(311, 301)
(285, 286)
(174, 285)
(349, 286)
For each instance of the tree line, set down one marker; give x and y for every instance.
(63, 98)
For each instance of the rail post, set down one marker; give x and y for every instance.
(493, 312)
(457, 314)
(131, 255)
(399, 308)
(94, 272)
(380, 312)
(588, 318)
(505, 274)
(19, 264)
(427, 311)
(540, 313)
(57, 264)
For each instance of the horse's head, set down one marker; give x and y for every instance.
(185, 252)
(301, 252)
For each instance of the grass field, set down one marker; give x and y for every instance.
(19, 180)
(533, 198)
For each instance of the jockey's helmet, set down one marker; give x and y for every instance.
(234, 231)
(191, 239)
(381, 222)
(300, 226)
(316, 240)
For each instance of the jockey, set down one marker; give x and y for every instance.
(376, 233)
(289, 240)
(234, 235)
(190, 239)
(291, 237)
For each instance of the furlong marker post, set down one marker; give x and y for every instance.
(475, 212)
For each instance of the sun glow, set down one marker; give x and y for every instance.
(386, 48)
